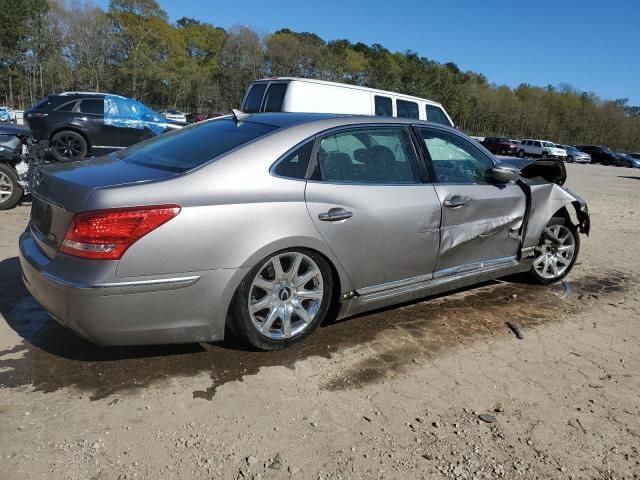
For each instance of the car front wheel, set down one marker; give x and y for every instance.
(556, 253)
(282, 299)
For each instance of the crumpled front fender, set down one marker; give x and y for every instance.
(546, 200)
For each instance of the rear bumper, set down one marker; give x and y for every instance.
(134, 311)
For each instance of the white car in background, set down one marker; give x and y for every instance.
(7, 115)
(540, 148)
(175, 116)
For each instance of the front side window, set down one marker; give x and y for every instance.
(407, 109)
(454, 159)
(254, 98)
(94, 106)
(295, 164)
(384, 107)
(190, 147)
(383, 155)
(275, 97)
(437, 115)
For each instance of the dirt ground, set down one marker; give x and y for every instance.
(395, 394)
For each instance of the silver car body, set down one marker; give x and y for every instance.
(176, 284)
(577, 155)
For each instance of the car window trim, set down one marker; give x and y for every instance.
(314, 174)
(272, 168)
(79, 106)
(427, 155)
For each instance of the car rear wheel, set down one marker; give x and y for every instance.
(67, 146)
(556, 253)
(10, 190)
(282, 299)
(545, 155)
(520, 153)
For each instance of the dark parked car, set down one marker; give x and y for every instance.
(77, 124)
(195, 117)
(500, 145)
(628, 160)
(602, 155)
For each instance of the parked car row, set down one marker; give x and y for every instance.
(537, 148)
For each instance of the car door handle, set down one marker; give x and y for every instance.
(334, 215)
(454, 203)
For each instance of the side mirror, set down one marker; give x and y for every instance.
(505, 174)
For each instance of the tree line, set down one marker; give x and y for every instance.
(133, 49)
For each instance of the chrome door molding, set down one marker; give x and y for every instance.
(396, 284)
(477, 266)
(449, 274)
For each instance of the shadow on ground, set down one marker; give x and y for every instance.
(49, 357)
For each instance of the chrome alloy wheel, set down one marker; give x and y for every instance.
(555, 254)
(285, 295)
(6, 187)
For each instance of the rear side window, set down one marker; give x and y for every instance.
(368, 156)
(384, 107)
(295, 164)
(537, 144)
(407, 109)
(190, 147)
(436, 115)
(254, 98)
(67, 107)
(95, 106)
(275, 97)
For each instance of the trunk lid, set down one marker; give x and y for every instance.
(60, 190)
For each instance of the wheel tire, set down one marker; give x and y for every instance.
(565, 226)
(68, 146)
(245, 324)
(545, 155)
(570, 159)
(10, 190)
(520, 153)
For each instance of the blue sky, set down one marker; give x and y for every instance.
(592, 44)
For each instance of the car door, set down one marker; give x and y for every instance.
(369, 203)
(481, 219)
(100, 135)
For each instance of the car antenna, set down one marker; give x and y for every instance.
(239, 116)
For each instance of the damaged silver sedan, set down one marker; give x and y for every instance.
(266, 224)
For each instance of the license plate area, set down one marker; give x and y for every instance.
(41, 216)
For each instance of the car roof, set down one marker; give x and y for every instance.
(346, 85)
(284, 119)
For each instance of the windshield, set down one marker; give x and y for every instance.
(190, 147)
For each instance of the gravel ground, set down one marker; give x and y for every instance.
(435, 389)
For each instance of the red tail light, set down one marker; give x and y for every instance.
(107, 234)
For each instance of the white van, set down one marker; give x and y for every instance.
(305, 95)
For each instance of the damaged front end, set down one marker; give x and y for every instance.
(542, 182)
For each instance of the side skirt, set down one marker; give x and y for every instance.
(380, 296)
